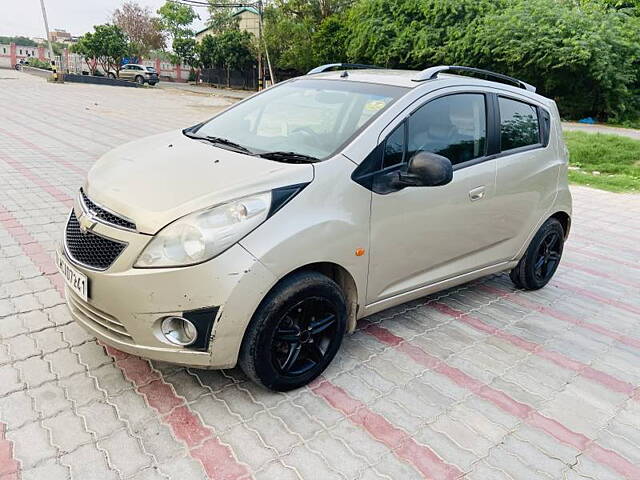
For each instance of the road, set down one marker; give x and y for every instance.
(599, 128)
(481, 381)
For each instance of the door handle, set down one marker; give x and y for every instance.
(477, 193)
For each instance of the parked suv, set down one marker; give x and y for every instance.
(261, 236)
(137, 73)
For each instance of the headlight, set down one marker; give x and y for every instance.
(202, 235)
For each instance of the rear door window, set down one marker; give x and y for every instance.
(519, 125)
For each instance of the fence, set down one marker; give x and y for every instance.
(221, 77)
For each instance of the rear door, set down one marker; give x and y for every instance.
(527, 169)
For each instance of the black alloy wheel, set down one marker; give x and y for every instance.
(548, 257)
(303, 336)
(295, 332)
(542, 257)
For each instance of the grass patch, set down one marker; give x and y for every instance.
(608, 162)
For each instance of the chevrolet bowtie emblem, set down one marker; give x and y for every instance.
(86, 222)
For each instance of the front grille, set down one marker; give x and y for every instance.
(97, 319)
(106, 215)
(90, 249)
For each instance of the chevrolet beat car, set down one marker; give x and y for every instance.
(261, 236)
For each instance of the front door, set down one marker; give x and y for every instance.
(125, 72)
(421, 235)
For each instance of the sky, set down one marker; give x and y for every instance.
(24, 17)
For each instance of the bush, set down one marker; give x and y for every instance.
(34, 62)
(583, 56)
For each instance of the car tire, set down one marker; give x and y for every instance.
(280, 350)
(111, 75)
(139, 80)
(541, 260)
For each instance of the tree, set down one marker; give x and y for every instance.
(113, 47)
(107, 45)
(176, 19)
(300, 34)
(231, 49)
(330, 39)
(88, 48)
(586, 57)
(24, 41)
(186, 49)
(143, 30)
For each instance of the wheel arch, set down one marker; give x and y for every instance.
(342, 277)
(565, 220)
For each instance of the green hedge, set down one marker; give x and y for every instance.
(583, 53)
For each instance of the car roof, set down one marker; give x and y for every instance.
(405, 78)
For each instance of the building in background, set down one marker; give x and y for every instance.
(59, 35)
(248, 21)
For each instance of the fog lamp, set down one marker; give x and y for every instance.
(179, 331)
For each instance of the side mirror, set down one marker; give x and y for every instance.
(426, 169)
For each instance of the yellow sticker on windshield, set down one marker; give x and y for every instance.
(374, 105)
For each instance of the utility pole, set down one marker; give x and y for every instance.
(260, 76)
(264, 42)
(46, 28)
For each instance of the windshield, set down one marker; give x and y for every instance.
(151, 69)
(308, 117)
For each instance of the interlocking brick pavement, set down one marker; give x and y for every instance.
(481, 381)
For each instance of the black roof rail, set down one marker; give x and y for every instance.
(432, 72)
(338, 66)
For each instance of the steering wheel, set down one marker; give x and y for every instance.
(311, 137)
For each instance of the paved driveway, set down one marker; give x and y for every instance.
(482, 381)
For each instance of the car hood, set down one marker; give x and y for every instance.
(158, 179)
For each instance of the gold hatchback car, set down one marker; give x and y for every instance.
(261, 236)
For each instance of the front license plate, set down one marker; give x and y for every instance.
(77, 281)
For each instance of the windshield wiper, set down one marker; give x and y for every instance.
(289, 157)
(218, 141)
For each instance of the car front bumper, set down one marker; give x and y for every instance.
(126, 305)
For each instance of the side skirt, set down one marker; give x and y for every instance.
(434, 287)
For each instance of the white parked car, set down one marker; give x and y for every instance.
(261, 236)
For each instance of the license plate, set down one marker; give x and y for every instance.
(77, 281)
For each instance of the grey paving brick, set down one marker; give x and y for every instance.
(68, 431)
(310, 465)
(297, 419)
(337, 455)
(17, 409)
(249, 448)
(49, 470)
(31, 444)
(88, 463)
(50, 399)
(125, 453)
(158, 440)
(277, 470)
